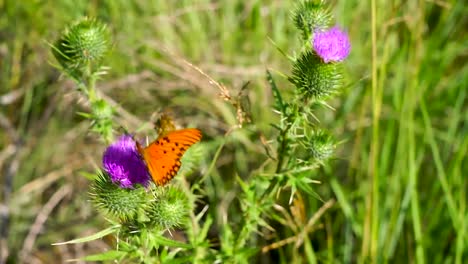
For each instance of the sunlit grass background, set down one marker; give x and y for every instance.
(399, 175)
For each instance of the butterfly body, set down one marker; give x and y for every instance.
(163, 156)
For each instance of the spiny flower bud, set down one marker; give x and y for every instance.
(169, 209)
(101, 109)
(115, 201)
(85, 41)
(321, 145)
(315, 79)
(310, 16)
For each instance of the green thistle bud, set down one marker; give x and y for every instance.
(121, 203)
(101, 116)
(170, 208)
(310, 17)
(101, 109)
(85, 41)
(315, 79)
(321, 145)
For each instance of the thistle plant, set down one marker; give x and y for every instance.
(142, 214)
(80, 51)
(301, 145)
(122, 190)
(316, 76)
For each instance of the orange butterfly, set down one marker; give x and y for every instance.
(162, 156)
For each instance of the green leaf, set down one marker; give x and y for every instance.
(199, 216)
(108, 255)
(88, 175)
(243, 185)
(280, 49)
(84, 114)
(171, 243)
(206, 226)
(98, 235)
(279, 105)
(178, 260)
(277, 127)
(246, 253)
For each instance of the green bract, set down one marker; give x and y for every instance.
(115, 201)
(315, 79)
(85, 42)
(169, 209)
(310, 16)
(320, 145)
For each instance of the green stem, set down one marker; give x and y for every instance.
(284, 134)
(281, 157)
(91, 83)
(374, 196)
(281, 149)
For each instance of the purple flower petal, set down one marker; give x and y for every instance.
(123, 163)
(332, 45)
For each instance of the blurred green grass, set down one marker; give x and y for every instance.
(400, 174)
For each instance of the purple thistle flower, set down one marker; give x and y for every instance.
(122, 162)
(331, 45)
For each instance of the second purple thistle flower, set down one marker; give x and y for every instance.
(331, 45)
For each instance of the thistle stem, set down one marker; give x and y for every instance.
(281, 150)
(91, 82)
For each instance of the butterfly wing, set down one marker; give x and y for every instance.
(163, 155)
